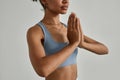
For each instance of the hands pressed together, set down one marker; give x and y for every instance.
(74, 31)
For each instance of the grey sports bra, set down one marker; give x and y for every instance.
(51, 46)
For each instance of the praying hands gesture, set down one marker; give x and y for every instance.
(75, 36)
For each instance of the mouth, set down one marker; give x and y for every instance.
(64, 7)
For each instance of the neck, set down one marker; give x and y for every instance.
(51, 18)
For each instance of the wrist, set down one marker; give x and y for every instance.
(73, 44)
(81, 45)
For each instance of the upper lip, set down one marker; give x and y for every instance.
(65, 6)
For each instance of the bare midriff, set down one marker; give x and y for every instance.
(64, 73)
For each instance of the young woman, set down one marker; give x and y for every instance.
(53, 46)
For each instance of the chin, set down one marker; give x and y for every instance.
(64, 12)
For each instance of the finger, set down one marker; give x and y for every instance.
(78, 24)
(81, 32)
(71, 22)
(73, 18)
(74, 22)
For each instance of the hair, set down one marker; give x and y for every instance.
(40, 3)
(34, 0)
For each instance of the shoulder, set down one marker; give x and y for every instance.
(35, 32)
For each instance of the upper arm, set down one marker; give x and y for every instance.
(36, 49)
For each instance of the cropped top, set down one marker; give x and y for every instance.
(51, 46)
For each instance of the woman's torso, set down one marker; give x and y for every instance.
(65, 71)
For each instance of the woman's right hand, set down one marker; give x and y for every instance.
(74, 32)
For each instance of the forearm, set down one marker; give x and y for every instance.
(49, 63)
(96, 48)
(93, 46)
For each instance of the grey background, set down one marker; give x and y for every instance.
(100, 19)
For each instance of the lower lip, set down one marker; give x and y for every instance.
(64, 8)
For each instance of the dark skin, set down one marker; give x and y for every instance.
(47, 66)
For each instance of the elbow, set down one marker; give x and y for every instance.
(40, 67)
(42, 72)
(104, 51)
